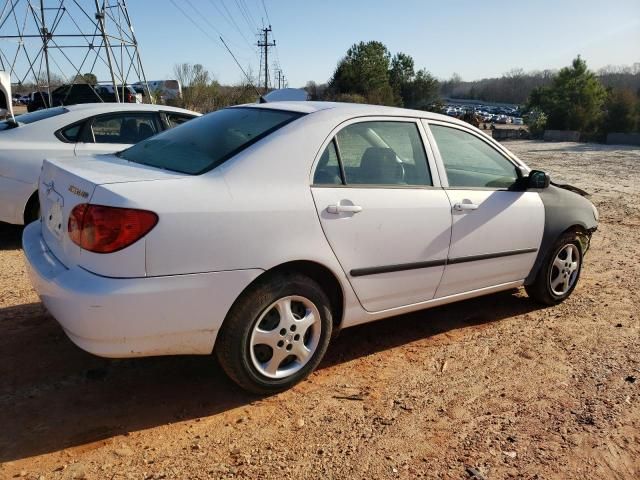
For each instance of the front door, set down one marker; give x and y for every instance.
(385, 220)
(496, 232)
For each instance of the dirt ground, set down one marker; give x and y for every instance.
(495, 387)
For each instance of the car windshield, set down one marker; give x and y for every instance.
(204, 143)
(27, 118)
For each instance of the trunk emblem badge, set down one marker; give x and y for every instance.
(76, 191)
(48, 186)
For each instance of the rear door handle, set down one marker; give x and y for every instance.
(464, 206)
(338, 209)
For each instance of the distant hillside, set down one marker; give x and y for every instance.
(516, 85)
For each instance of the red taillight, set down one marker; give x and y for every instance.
(130, 98)
(103, 229)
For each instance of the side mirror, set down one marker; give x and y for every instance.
(538, 179)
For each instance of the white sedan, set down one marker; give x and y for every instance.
(257, 231)
(67, 132)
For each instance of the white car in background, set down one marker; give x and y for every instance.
(166, 89)
(69, 131)
(256, 231)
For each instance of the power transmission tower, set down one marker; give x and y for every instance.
(45, 42)
(265, 44)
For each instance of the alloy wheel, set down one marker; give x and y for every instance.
(285, 337)
(564, 270)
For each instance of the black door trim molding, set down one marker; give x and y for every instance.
(360, 272)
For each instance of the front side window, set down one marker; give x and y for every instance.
(205, 142)
(123, 128)
(471, 162)
(381, 153)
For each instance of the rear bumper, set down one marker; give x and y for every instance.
(129, 317)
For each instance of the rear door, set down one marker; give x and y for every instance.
(496, 232)
(116, 131)
(383, 212)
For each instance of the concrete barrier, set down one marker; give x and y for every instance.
(509, 133)
(561, 136)
(623, 139)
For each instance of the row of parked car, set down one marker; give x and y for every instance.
(487, 114)
(73, 94)
(256, 232)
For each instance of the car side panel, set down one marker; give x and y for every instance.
(563, 210)
(20, 165)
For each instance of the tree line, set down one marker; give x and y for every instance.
(573, 98)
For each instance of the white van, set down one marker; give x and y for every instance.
(166, 89)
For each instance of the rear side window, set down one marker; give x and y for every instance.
(72, 133)
(123, 128)
(376, 153)
(205, 142)
(175, 119)
(328, 169)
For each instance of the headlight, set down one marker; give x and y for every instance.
(595, 212)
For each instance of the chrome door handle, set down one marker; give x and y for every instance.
(338, 209)
(461, 207)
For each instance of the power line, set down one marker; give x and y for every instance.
(248, 10)
(193, 22)
(262, 100)
(265, 12)
(216, 42)
(231, 21)
(244, 15)
(208, 22)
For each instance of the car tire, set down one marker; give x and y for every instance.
(559, 273)
(275, 334)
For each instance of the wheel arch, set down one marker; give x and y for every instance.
(564, 211)
(584, 237)
(29, 208)
(321, 274)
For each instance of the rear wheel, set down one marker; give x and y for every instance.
(276, 334)
(559, 273)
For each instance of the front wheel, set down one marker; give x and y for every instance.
(559, 274)
(275, 334)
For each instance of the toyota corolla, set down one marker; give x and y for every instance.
(256, 232)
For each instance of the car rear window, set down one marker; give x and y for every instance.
(204, 143)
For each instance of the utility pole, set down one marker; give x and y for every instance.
(265, 44)
(279, 72)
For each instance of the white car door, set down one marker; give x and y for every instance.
(116, 131)
(383, 211)
(496, 232)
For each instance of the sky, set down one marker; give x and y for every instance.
(474, 39)
(471, 38)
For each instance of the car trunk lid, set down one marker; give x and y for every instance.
(64, 184)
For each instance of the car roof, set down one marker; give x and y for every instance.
(118, 107)
(352, 109)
